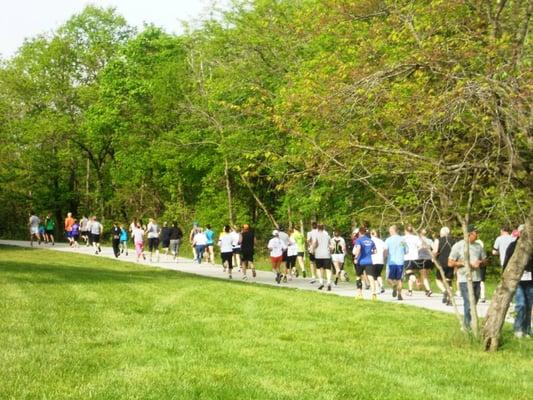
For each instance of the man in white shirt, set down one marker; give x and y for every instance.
(411, 266)
(501, 243)
(153, 231)
(311, 235)
(322, 256)
(33, 223)
(378, 260)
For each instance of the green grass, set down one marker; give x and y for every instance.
(78, 327)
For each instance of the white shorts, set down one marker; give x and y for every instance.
(337, 258)
(34, 230)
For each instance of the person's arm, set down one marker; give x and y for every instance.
(356, 250)
(435, 249)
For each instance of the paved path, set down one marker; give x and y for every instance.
(418, 299)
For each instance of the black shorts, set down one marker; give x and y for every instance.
(426, 264)
(165, 243)
(448, 274)
(323, 263)
(49, 232)
(374, 270)
(227, 258)
(95, 238)
(359, 269)
(85, 233)
(312, 257)
(284, 256)
(300, 254)
(76, 237)
(291, 261)
(236, 250)
(153, 244)
(247, 256)
(410, 265)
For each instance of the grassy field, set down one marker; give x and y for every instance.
(83, 327)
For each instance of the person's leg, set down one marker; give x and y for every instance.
(320, 274)
(466, 304)
(483, 273)
(312, 267)
(329, 274)
(301, 264)
(520, 310)
(528, 291)
(424, 272)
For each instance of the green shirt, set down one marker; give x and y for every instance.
(50, 224)
(299, 239)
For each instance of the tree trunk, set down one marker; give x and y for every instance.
(471, 297)
(259, 202)
(228, 191)
(506, 288)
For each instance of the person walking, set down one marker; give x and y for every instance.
(276, 248)
(247, 251)
(362, 251)
(176, 236)
(311, 235)
(165, 239)
(225, 242)
(115, 239)
(413, 244)
(199, 242)
(33, 224)
(209, 249)
(395, 249)
(322, 256)
(378, 261)
(69, 221)
(153, 232)
(426, 260)
(337, 246)
(478, 258)
(84, 230)
(441, 250)
(50, 226)
(123, 240)
(138, 241)
(96, 231)
(298, 237)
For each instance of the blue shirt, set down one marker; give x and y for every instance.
(367, 246)
(396, 249)
(123, 235)
(209, 234)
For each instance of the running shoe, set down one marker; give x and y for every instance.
(329, 288)
(244, 278)
(321, 287)
(304, 274)
(400, 297)
(230, 277)
(483, 300)
(296, 274)
(394, 292)
(278, 278)
(284, 278)
(312, 281)
(336, 280)
(382, 291)
(445, 298)
(410, 293)
(429, 293)
(254, 274)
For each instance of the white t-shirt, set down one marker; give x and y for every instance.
(426, 245)
(83, 224)
(377, 257)
(501, 244)
(153, 230)
(284, 238)
(413, 243)
(292, 249)
(311, 236)
(322, 245)
(138, 235)
(235, 239)
(200, 239)
(276, 247)
(96, 228)
(226, 243)
(34, 221)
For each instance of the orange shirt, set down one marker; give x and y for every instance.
(69, 221)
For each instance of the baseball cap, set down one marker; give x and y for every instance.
(472, 228)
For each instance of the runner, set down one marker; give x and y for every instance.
(225, 242)
(33, 224)
(69, 221)
(362, 251)
(236, 237)
(276, 248)
(165, 239)
(413, 243)
(284, 237)
(123, 240)
(395, 249)
(337, 245)
(247, 251)
(50, 227)
(441, 250)
(96, 231)
(115, 239)
(75, 233)
(311, 235)
(133, 225)
(210, 251)
(290, 261)
(193, 232)
(153, 232)
(426, 260)
(378, 260)
(502, 242)
(478, 258)
(322, 256)
(300, 245)
(138, 239)
(84, 230)
(42, 231)
(199, 242)
(524, 292)
(176, 236)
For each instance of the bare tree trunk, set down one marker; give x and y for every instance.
(259, 202)
(507, 287)
(471, 297)
(228, 191)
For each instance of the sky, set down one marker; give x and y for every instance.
(20, 19)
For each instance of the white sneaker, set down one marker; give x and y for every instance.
(519, 334)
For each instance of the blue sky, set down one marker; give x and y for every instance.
(21, 19)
